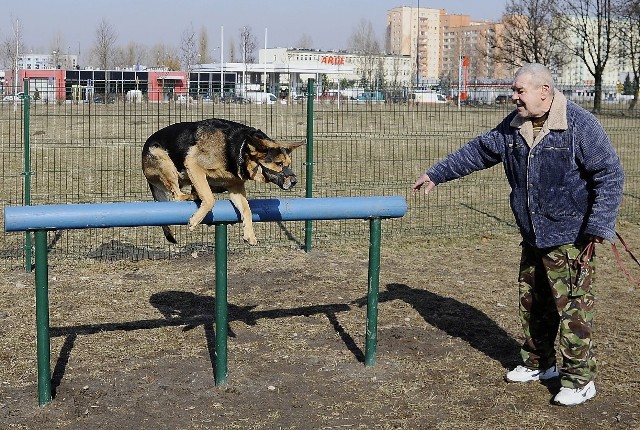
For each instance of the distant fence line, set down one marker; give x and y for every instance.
(90, 152)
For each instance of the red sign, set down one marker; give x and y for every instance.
(332, 59)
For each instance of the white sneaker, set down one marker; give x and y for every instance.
(575, 396)
(526, 374)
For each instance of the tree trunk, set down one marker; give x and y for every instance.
(636, 86)
(597, 95)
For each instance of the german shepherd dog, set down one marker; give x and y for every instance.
(214, 156)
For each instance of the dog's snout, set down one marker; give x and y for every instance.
(288, 182)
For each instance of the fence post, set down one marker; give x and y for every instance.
(27, 171)
(308, 225)
(221, 310)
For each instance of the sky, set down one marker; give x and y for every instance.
(328, 23)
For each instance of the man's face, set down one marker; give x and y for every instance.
(531, 99)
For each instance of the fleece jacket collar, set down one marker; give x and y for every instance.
(557, 120)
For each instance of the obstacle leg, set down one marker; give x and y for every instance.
(222, 316)
(43, 341)
(371, 340)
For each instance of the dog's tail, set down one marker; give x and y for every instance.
(168, 233)
(160, 195)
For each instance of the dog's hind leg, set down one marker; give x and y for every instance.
(238, 197)
(160, 194)
(163, 177)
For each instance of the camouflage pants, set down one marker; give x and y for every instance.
(557, 300)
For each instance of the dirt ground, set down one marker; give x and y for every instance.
(133, 343)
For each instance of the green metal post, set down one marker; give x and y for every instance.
(222, 316)
(308, 225)
(27, 172)
(43, 343)
(372, 293)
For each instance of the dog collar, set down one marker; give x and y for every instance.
(242, 167)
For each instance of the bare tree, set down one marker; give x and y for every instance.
(363, 41)
(248, 44)
(530, 35)
(589, 35)
(12, 46)
(164, 56)
(56, 50)
(305, 42)
(11, 49)
(188, 48)
(630, 42)
(231, 51)
(204, 54)
(105, 44)
(130, 55)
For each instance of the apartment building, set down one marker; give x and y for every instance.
(478, 41)
(55, 60)
(415, 32)
(575, 72)
(437, 41)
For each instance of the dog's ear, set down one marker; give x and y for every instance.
(289, 146)
(262, 144)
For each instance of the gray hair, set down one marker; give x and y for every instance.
(538, 72)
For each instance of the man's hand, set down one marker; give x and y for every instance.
(424, 179)
(594, 238)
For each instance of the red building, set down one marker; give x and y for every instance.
(53, 85)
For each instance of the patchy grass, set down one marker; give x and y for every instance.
(133, 342)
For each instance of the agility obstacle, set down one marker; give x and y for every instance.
(41, 219)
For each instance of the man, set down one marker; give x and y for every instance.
(566, 187)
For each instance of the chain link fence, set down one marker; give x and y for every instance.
(90, 152)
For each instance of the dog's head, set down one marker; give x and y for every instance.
(270, 161)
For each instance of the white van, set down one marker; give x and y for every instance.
(259, 97)
(427, 97)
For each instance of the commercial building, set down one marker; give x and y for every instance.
(280, 70)
(285, 70)
(54, 85)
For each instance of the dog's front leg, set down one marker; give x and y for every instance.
(198, 178)
(238, 197)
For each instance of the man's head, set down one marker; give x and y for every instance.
(532, 90)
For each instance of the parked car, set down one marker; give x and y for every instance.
(371, 97)
(235, 99)
(427, 97)
(259, 97)
(502, 99)
(183, 98)
(101, 98)
(14, 97)
(298, 97)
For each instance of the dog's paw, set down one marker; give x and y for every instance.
(250, 240)
(186, 197)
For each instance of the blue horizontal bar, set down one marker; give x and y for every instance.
(135, 214)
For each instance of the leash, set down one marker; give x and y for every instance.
(587, 253)
(619, 260)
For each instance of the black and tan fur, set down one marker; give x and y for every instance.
(213, 156)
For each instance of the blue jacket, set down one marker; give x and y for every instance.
(565, 183)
